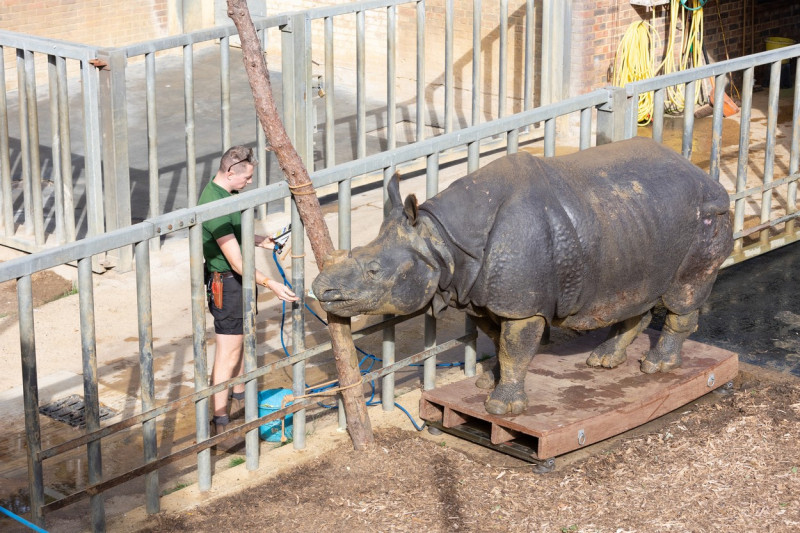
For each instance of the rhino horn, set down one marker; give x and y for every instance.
(337, 256)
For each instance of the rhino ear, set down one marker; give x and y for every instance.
(393, 190)
(410, 208)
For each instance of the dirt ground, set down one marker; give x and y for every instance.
(723, 463)
(47, 287)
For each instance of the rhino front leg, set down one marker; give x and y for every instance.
(667, 353)
(519, 340)
(612, 352)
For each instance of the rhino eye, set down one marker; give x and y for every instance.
(373, 269)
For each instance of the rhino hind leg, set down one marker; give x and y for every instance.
(667, 353)
(612, 352)
(519, 339)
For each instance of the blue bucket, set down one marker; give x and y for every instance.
(269, 401)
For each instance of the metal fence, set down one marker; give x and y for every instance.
(604, 116)
(749, 172)
(140, 235)
(128, 172)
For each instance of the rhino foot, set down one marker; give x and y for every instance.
(487, 380)
(655, 361)
(505, 399)
(667, 353)
(606, 358)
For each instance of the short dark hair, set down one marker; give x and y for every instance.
(235, 155)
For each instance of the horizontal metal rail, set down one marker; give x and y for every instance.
(98, 488)
(714, 69)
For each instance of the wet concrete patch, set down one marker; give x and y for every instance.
(754, 309)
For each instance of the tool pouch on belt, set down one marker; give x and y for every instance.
(216, 289)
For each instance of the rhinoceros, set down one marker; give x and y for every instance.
(583, 241)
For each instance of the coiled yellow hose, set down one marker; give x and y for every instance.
(635, 60)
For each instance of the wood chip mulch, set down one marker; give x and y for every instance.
(728, 464)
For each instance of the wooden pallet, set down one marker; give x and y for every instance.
(571, 405)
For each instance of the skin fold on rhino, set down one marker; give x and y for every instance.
(582, 241)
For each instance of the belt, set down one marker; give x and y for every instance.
(226, 274)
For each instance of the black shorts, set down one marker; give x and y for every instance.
(228, 320)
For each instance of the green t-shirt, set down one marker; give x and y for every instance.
(218, 227)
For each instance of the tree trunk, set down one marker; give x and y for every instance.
(358, 423)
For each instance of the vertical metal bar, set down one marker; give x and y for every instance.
(344, 214)
(298, 100)
(688, 119)
(586, 128)
(249, 330)
(199, 349)
(769, 153)
(611, 117)
(431, 189)
(66, 150)
(473, 156)
(92, 144)
(330, 115)
(189, 126)
(658, 115)
(388, 343)
(476, 61)
(528, 56)
(470, 348)
(361, 88)
(631, 116)
(794, 156)
(24, 144)
(744, 151)
(716, 125)
(117, 183)
(225, 90)
(146, 376)
(30, 397)
(55, 148)
(298, 325)
(35, 162)
(420, 98)
(91, 400)
(512, 142)
(5, 164)
(152, 140)
(448, 66)
(503, 60)
(429, 366)
(391, 76)
(262, 174)
(550, 137)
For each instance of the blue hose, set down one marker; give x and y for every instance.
(24, 522)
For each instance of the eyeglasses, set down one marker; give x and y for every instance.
(249, 159)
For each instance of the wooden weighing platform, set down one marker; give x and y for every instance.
(571, 405)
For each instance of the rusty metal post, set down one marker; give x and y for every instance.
(30, 398)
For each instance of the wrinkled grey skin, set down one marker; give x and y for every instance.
(582, 241)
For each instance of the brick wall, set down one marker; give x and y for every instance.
(96, 22)
(732, 28)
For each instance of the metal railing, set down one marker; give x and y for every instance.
(429, 151)
(772, 227)
(124, 112)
